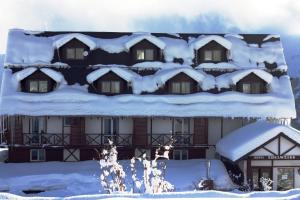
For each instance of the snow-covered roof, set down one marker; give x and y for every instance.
(246, 139)
(203, 40)
(228, 79)
(126, 74)
(61, 40)
(76, 100)
(25, 49)
(136, 38)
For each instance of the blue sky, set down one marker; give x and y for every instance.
(238, 16)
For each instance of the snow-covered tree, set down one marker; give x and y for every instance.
(112, 177)
(266, 183)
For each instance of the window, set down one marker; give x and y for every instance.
(181, 87)
(38, 86)
(285, 178)
(75, 53)
(251, 88)
(180, 155)
(67, 121)
(37, 155)
(212, 55)
(145, 54)
(181, 131)
(110, 87)
(110, 129)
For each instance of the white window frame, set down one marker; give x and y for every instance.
(180, 151)
(180, 85)
(38, 155)
(110, 87)
(145, 54)
(38, 88)
(112, 134)
(210, 55)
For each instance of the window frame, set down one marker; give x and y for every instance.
(180, 151)
(181, 86)
(111, 86)
(145, 52)
(213, 53)
(38, 81)
(76, 56)
(38, 155)
(254, 87)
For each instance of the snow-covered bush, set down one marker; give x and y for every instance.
(112, 176)
(246, 186)
(266, 183)
(153, 173)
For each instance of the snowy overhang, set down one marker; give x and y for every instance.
(136, 38)
(126, 74)
(242, 141)
(61, 40)
(203, 40)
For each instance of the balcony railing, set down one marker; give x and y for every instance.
(121, 139)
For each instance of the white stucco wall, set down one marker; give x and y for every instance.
(93, 125)
(54, 125)
(125, 125)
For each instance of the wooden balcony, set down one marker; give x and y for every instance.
(89, 139)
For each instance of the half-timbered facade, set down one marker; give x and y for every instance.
(65, 94)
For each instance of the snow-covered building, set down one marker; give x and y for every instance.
(64, 94)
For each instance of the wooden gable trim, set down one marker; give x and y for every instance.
(37, 75)
(268, 142)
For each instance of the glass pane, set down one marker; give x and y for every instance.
(178, 126)
(41, 154)
(149, 54)
(33, 86)
(105, 86)
(208, 55)
(175, 87)
(217, 55)
(255, 89)
(184, 155)
(34, 154)
(186, 125)
(255, 178)
(140, 55)
(285, 178)
(70, 53)
(79, 53)
(35, 125)
(185, 87)
(67, 121)
(107, 126)
(43, 86)
(246, 88)
(176, 155)
(115, 87)
(115, 125)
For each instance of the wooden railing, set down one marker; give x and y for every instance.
(56, 139)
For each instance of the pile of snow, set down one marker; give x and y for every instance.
(217, 66)
(25, 49)
(246, 139)
(156, 65)
(82, 178)
(271, 36)
(228, 79)
(3, 154)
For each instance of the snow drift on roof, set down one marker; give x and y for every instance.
(61, 40)
(136, 38)
(126, 74)
(246, 139)
(228, 79)
(221, 65)
(203, 40)
(271, 36)
(20, 75)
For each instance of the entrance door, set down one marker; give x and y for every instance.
(258, 173)
(110, 129)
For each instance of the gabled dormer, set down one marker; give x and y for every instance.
(252, 84)
(145, 51)
(73, 52)
(37, 82)
(182, 84)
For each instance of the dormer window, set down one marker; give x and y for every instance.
(38, 86)
(145, 54)
(74, 53)
(213, 55)
(182, 87)
(252, 88)
(112, 87)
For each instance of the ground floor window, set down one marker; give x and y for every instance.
(285, 178)
(180, 154)
(258, 173)
(37, 155)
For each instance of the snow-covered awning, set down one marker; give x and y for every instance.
(61, 40)
(136, 38)
(243, 141)
(203, 40)
(126, 74)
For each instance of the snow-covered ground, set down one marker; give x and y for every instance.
(68, 180)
